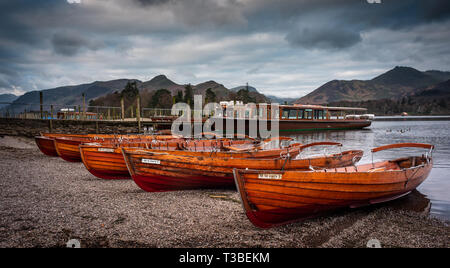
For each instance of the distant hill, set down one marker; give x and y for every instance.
(269, 98)
(108, 93)
(433, 100)
(69, 96)
(394, 84)
(441, 90)
(7, 98)
(441, 76)
(161, 92)
(250, 88)
(280, 100)
(222, 93)
(159, 82)
(405, 77)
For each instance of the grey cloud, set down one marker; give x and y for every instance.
(70, 44)
(389, 14)
(4, 83)
(9, 77)
(203, 13)
(323, 38)
(151, 2)
(54, 27)
(338, 24)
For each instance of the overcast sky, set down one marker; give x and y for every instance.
(285, 47)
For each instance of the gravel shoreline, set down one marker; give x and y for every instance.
(46, 201)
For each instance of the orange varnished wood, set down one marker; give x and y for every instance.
(149, 169)
(68, 147)
(46, 143)
(403, 145)
(273, 197)
(106, 161)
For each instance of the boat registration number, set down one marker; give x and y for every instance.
(151, 161)
(106, 150)
(270, 176)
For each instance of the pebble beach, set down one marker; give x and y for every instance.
(45, 202)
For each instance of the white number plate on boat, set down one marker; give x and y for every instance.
(106, 150)
(270, 176)
(151, 161)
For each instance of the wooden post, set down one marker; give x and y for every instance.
(122, 106)
(41, 101)
(96, 121)
(138, 112)
(84, 106)
(109, 113)
(51, 119)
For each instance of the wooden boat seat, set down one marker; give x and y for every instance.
(408, 162)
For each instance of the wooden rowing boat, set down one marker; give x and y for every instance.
(68, 147)
(106, 160)
(155, 172)
(45, 142)
(273, 197)
(46, 145)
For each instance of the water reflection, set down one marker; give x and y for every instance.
(436, 187)
(415, 201)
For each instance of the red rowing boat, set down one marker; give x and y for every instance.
(69, 150)
(45, 142)
(273, 197)
(106, 160)
(155, 172)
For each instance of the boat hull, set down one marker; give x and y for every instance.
(68, 149)
(288, 126)
(46, 145)
(167, 172)
(322, 125)
(105, 162)
(299, 195)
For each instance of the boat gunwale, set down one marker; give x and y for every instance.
(322, 171)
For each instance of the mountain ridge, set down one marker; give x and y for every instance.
(393, 84)
(7, 98)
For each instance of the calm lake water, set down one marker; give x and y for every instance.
(436, 189)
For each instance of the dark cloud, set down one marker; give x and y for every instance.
(33, 33)
(13, 18)
(339, 24)
(69, 44)
(4, 83)
(8, 77)
(319, 38)
(151, 2)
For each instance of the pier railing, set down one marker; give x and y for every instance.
(59, 112)
(144, 118)
(77, 112)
